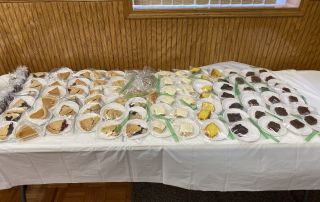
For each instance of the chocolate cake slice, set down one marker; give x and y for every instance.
(303, 110)
(226, 87)
(274, 100)
(227, 95)
(234, 117)
(286, 90)
(250, 74)
(259, 114)
(255, 79)
(311, 120)
(239, 130)
(248, 88)
(297, 124)
(239, 80)
(273, 126)
(236, 106)
(253, 102)
(293, 98)
(269, 78)
(281, 111)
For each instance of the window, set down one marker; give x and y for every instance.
(185, 4)
(214, 8)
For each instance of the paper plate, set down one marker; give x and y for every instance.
(304, 131)
(264, 121)
(252, 135)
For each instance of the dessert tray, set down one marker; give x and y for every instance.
(215, 103)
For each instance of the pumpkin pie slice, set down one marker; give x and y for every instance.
(56, 83)
(66, 111)
(40, 114)
(35, 84)
(99, 82)
(26, 132)
(95, 108)
(39, 74)
(63, 75)
(48, 101)
(89, 123)
(119, 82)
(57, 127)
(54, 92)
(5, 131)
(86, 74)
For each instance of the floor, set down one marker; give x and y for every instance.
(93, 192)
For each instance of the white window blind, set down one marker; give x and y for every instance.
(176, 4)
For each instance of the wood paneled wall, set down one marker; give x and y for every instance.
(45, 35)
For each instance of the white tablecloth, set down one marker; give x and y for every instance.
(194, 164)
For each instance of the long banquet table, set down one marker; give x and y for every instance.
(194, 164)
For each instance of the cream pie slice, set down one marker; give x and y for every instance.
(5, 131)
(26, 132)
(57, 127)
(158, 126)
(89, 123)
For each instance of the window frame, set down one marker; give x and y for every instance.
(213, 12)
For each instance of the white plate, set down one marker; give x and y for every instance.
(304, 131)
(166, 107)
(243, 114)
(223, 131)
(252, 111)
(115, 106)
(199, 83)
(315, 126)
(252, 135)
(177, 123)
(294, 109)
(268, 94)
(273, 107)
(284, 97)
(264, 121)
(137, 122)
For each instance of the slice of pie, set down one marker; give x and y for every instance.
(54, 92)
(5, 131)
(121, 100)
(63, 75)
(118, 83)
(99, 82)
(26, 132)
(86, 74)
(95, 108)
(13, 115)
(57, 127)
(56, 83)
(40, 114)
(21, 104)
(66, 111)
(158, 126)
(39, 74)
(96, 98)
(110, 130)
(79, 82)
(48, 101)
(35, 84)
(111, 114)
(89, 123)
(75, 90)
(135, 129)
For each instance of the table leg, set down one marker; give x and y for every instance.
(23, 189)
(306, 196)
